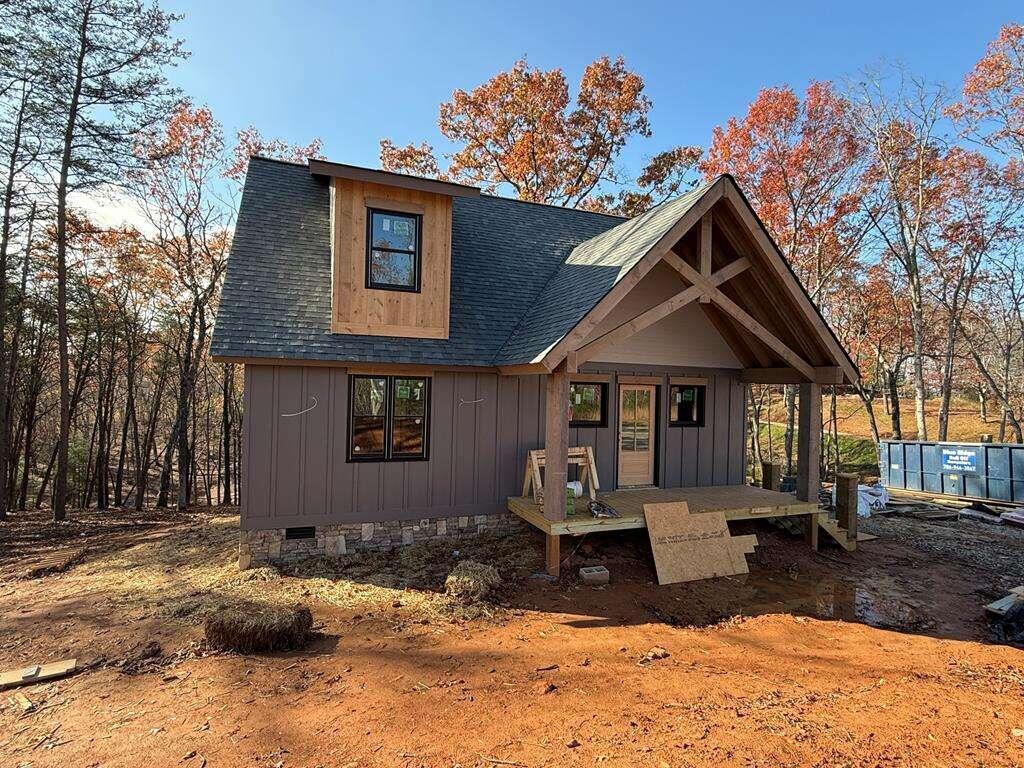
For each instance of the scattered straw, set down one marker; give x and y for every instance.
(248, 626)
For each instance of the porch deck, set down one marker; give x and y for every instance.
(738, 502)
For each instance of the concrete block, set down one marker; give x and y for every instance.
(367, 532)
(594, 574)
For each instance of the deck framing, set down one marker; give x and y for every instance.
(737, 502)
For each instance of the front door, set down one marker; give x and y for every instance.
(636, 435)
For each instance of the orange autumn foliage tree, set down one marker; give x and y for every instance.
(992, 108)
(800, 164)
(521, 130)
(250, 142)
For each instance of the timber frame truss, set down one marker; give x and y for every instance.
(798, 348)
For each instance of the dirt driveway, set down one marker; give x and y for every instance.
(881, 657)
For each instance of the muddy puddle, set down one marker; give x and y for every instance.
(883, 603)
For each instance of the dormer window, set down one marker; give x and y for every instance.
(393, 250)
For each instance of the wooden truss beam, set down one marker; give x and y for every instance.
(659, 312)
(774, 259)
(586, 326)
(741, 316)
(705, 251)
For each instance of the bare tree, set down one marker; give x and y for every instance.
(103, 64)
(900, 118)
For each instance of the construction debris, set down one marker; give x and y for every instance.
(12, 678)
(655, 654)
(922, 510)
(1002, 605)
(688, 547)
(56, 561)
(594, 574)
(981, 513)
(1013, 517)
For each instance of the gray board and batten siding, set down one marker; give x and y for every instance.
(481, 426)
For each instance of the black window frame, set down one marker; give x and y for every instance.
(351, 456)
(603, 422)
(417, 254)
(700, 400)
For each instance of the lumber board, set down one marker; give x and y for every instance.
(691, 546)
(12, 678)
(1002, 605)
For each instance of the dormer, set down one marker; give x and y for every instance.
(391, 251)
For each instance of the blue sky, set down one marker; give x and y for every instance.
(353, 72)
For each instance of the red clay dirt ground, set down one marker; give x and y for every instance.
(782, 667)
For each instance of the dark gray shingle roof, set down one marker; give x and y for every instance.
(591, 270)
(276, 301)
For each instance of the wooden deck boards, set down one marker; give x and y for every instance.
(738, 502)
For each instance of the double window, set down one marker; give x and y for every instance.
(388, 418)
(393, 250)
(686, 405)
(588, 404)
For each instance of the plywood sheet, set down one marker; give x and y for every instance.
(690, 546)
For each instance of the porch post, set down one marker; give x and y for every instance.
(556, 459)
(808, 479)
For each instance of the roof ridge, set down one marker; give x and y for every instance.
(281, 161)
(556, 207)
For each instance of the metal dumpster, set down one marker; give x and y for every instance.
(978, 470)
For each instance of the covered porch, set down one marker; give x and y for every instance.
(737, 502)
(706, 252)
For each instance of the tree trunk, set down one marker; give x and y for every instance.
(917, 326)
(755, 431)
(891, 378)
(947, 378)
(61, 481)
(147, 445)
(834, 428)
(5, 238)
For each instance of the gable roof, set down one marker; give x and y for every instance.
(591, 270)
(525, 276)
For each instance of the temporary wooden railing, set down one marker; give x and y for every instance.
(580, 456)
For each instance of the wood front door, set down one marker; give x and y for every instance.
(636, 435)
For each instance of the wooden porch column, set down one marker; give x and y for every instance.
(808, 479)
(556, 459)
(771, 476)
(846, 503)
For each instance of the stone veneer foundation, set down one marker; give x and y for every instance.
(269, 545)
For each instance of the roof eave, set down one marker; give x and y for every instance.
(388, 178)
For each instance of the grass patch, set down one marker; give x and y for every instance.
(857, 455)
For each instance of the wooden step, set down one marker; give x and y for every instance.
(831, 527)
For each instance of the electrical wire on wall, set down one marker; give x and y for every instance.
(316, 402)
